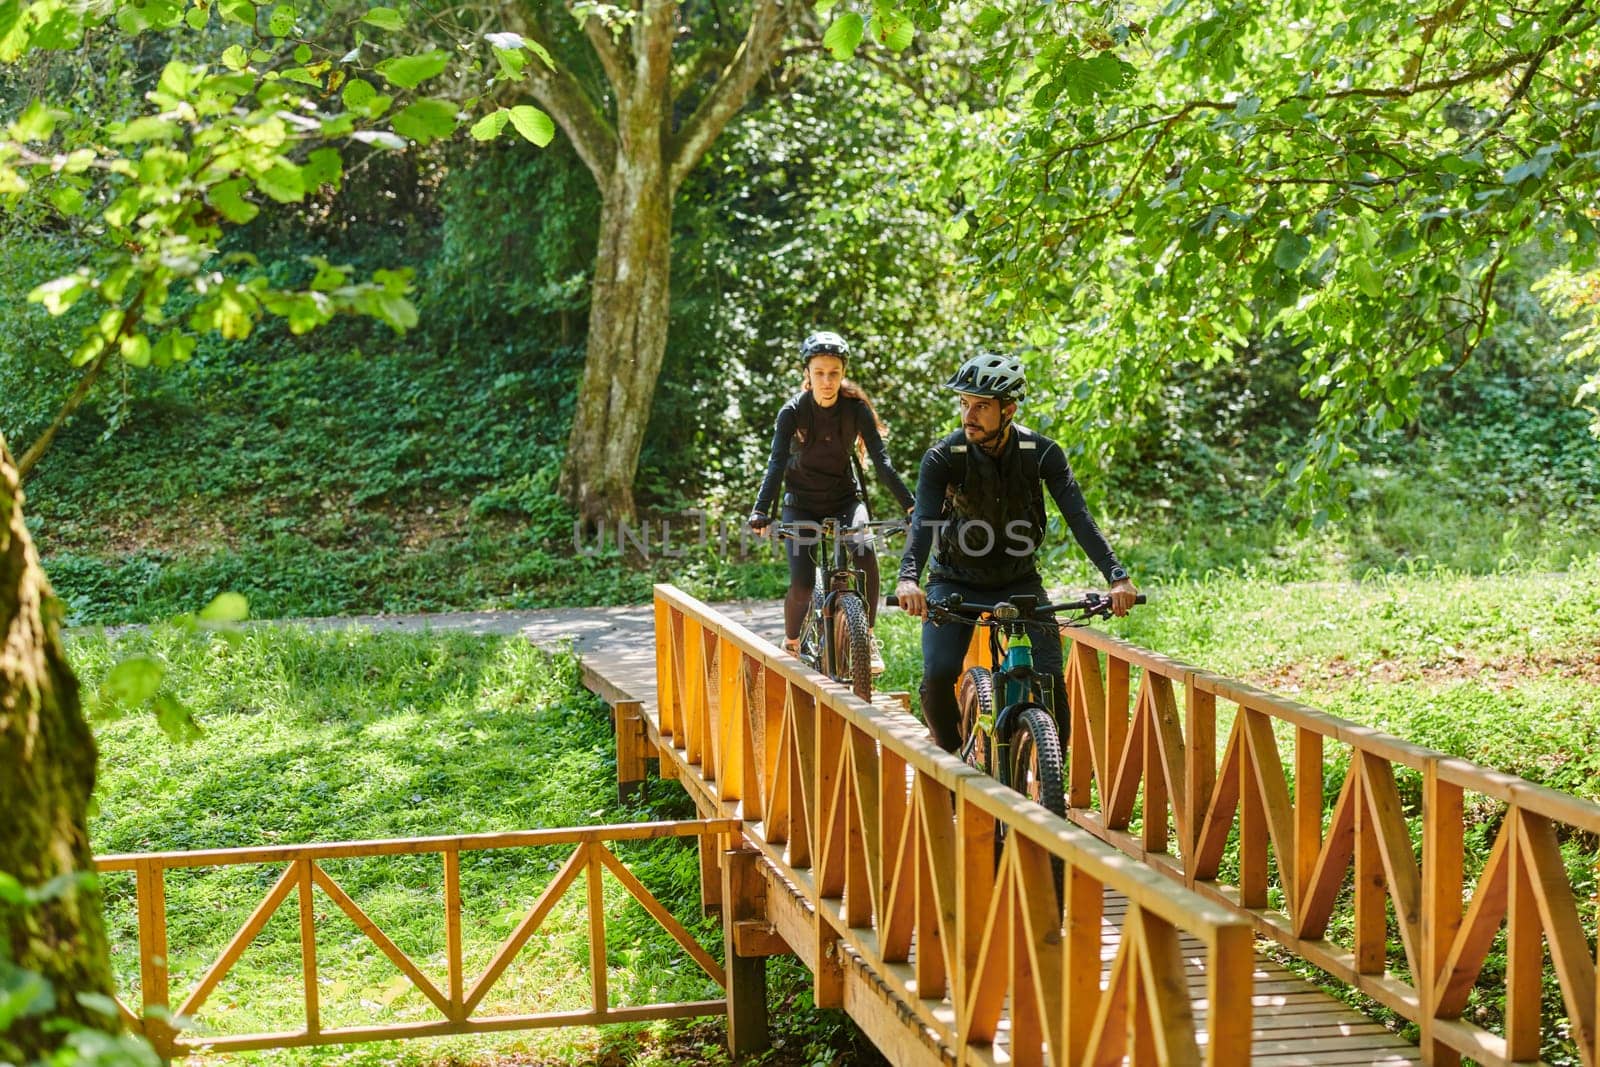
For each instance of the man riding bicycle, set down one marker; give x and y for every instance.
(980, 509)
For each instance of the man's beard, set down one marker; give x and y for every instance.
(983, 438)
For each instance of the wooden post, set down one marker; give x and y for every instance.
(1443, 856)
(628, 716)
(152, 901)
(744, 898)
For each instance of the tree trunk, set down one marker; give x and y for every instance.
(47, 761)
(628, 318)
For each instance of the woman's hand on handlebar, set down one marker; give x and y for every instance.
(1123, 596)
(912, 600)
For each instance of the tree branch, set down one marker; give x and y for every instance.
(39, 446)
(612, 54)
(768, 23)
(577, 112)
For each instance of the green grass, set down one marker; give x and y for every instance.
(329, 736)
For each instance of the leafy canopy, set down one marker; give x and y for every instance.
(266, 116)
(1161, 184)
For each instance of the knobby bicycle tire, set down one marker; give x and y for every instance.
(852, 645)
(1036, 759)
(975, 697)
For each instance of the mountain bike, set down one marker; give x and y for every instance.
(1020, 744)
(835, 638)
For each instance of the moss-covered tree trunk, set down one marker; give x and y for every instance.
(628, 319)
(47, 760)
(658, 116)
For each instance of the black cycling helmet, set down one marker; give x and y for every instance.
(824, 343)
(987, 374)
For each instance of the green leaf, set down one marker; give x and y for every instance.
(175, 719)
(226, 608)
(240, 11)
(36, 123)
(407, 72)
(1368, 280)
(426, 120)
(490, 126)
(59, 294)
(822, 7)
(174, 347)
(197, 17)
(302, 53)
(512, 63)
(844, 36)
(281, 22)
(67, 199)
(893, 30)
(135, 349)
(235, 58)
(323, 167)
(357, 94)
(130, 684)
(283, 181)
(14, 34)
(385, 18)
(147, 128)
(533, 124)
(228, 198)
(988, 22)
(1290, 251)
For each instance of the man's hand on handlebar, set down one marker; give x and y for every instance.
(1123, 596)
(913, 601)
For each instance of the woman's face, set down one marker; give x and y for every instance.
(826, 374)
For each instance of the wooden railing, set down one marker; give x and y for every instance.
(1385, 858)
(458, 1000)
(880, 858)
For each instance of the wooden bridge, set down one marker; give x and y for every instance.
(836, 831)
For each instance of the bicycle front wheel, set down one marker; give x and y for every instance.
(1036, 759)
(1035, 766)
(852, 645)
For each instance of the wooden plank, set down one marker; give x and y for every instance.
(308, 947)
(456, 976)
(1563, 929)
(414, 846)
(1201, 779)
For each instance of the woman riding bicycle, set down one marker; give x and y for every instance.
(815, 446)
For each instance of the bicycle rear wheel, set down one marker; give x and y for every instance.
(852, 645)
(975, 698)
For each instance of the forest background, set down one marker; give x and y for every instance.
(1307, 293)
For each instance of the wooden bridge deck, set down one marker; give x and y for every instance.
(1295, 1023)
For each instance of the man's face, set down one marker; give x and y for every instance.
(983, 418)
(826, 374)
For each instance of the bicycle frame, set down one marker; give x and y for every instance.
(837, 575)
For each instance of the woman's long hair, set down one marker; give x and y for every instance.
(850, 389)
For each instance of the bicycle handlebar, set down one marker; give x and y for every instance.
(814, 529)
(1090, 606)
